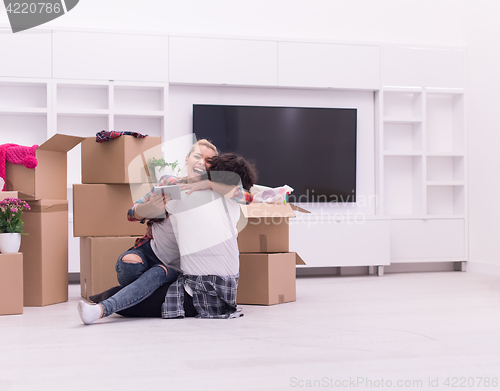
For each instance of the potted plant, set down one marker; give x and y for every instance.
(11, 224)
(157, 165)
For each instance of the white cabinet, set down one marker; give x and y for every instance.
(223, 61)
(422, 161)
(423, 67)
(98, 56)
(427, 240)
(26, 54)
(327, 241)
(328, 65)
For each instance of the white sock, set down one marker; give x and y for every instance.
(89, 313)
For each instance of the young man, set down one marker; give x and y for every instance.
(204, 223)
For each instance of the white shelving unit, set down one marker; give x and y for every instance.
(422, 169)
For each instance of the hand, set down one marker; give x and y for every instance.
(201, 185)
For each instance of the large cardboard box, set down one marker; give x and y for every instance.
(101, 210)
(121, 160)
(45, 250)
(48, 180)
(267, 279)
(98, 256)
(267, 228)
(11, 284)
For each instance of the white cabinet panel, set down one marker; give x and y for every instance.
(326, 242)
(328, 65)
(101, 56)
(423, 67)
(427, 239)
(223, 61)
(26, 54)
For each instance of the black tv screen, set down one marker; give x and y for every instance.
(313, 150)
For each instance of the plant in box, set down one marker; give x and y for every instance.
(11, 224)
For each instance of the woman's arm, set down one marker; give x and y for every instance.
(236, 193)
(147, 207)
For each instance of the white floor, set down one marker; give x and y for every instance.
(399, 331)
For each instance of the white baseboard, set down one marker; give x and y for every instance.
(483, 268)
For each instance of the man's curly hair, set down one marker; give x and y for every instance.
(226, 164)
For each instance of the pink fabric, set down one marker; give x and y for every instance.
(17, 154)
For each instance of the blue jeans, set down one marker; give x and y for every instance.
(140, 279)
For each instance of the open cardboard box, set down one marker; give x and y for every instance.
(11, 284)
(267, 279)
(101, 210)
(121, 160)
(267, 228)
(98, 256)
(45, 251)
(48, 180)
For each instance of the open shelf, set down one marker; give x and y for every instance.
(445, 122)
(446, 199)
(23, 129)
(23, 96)
(402, 137)
(445, 168)
(82, 97)
(402, 104)
(403, 185)
(82, 125)
(129, 98)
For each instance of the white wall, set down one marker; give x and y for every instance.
(470, 23)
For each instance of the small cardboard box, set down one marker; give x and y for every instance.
(8, 194)
(267, 228)
(101, 210)
(98, 256)
(11, 284)
(267, 279)
(48, 180)
(45, 250)
(121, 160)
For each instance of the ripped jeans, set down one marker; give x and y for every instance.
(139, 279)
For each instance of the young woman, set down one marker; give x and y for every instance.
(204, 225)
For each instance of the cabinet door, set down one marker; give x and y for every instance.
(423, 67)
(321, 242)
(26, 54)
(99, 56)
(223, 61)
(427, 240)
(328, 65)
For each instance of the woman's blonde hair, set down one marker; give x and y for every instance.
(205, 143)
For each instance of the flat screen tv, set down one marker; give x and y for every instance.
(313, 150)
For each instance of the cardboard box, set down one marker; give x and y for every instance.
(121, 160)
(267, 228)
(8, 194)
(98, 258)
(101, 210)
(48, 180)
(11, 284)
(267, 279)
(45, 250)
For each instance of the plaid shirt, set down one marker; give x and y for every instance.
(214, 297)
(241, 196)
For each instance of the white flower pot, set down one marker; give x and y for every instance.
(10, 243)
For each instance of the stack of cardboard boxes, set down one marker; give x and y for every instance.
(44, 250)
(267, 268)
(114, 175)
